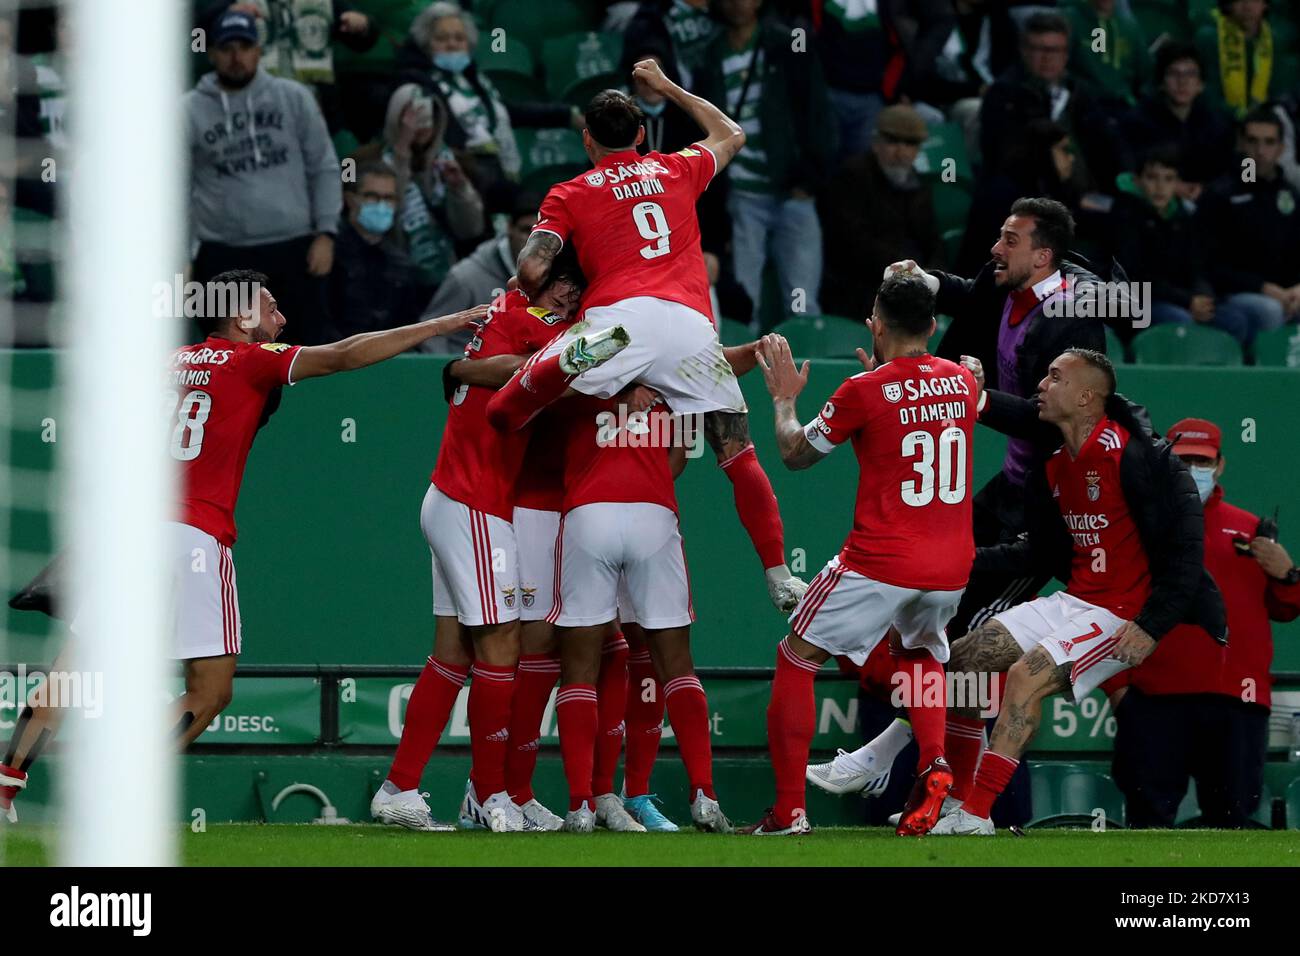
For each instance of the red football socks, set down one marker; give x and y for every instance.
(688, 712)
(962, 742)
(756, 505)
(645, 720)
(791, 720)
(994, 774)
(490, 690)
(576, 711)
(611, 696)
(427, 712)
(534, 678)
(534, 387)
(927, 705)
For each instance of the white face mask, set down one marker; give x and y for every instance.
(1203, 475)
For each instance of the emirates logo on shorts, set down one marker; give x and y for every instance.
(893, 391)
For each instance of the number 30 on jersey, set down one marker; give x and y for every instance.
(944, 472)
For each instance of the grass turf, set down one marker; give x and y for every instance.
(306, 845)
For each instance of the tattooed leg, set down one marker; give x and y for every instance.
(1031, 679)
(989, 649)
(728, 435)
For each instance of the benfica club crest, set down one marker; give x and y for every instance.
(893, 391)
(596, 179)
(509, 595)
(529, 596)
(1094, 485)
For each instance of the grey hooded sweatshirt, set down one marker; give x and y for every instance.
(262, 166)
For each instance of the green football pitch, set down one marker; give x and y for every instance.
(306, 845)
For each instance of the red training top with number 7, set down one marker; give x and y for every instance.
(632, 219)
(911, 422)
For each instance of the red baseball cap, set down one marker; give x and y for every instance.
(1196, 436)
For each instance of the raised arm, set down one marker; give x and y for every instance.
(533, 267)
(741, 358)
(784, 383)
(724, 137)
(358, 351)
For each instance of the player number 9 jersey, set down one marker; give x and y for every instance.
(911, 423)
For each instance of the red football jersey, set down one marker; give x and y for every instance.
(478, 465)
(541, 479)
(221, 388)
(614, 455)
(633, 220)
(1109, 567)
(910, 421)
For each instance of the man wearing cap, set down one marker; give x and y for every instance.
(877, 211)
(1194, 708)
(265, 188)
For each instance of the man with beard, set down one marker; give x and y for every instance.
(876, 211)
(265, 189)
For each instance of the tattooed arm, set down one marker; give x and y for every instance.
(785, 382)
(534, 264)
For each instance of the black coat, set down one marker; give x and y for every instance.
(976, 308)
(867, 223)
(1204, 140)
(1161, 497)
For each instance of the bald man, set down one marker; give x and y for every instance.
(1116, 517)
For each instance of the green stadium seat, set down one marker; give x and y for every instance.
(732, 332)
(1066, 795)
(947, 141)
(549, 156)
(1293, 805)
(511, 69)
(534, 23)
(1115, 350)
(1280, 347)
(951, 205)
(824, 336)
(345, 143)
(1157, 19)
(580, 65)
(393, 19)
(1185, 345)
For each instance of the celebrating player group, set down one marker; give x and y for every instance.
(557, 552)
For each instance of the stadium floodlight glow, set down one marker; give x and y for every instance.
(126, 211)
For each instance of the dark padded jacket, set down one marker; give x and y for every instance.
(976, 309)
(1160, 495)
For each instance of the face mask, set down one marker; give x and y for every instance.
(376, 217)
(651, 109)
(451, 62)
(1203, 475)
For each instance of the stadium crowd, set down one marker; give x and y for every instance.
(877, 130)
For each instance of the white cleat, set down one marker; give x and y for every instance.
(588, 351)
(613, 816)
(785, 592)
(842, 775)
(498, 813)
(503, 814)
(581, 820)
(950, 806)
(539, 819)
(405, 808)
(708, 816)
(962, 823)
